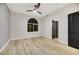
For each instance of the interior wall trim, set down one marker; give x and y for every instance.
(21, 38)
(4, 46)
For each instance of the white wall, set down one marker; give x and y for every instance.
(62, 16)
(18, 26)
(4, 24)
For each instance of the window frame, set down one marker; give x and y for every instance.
(33, 24)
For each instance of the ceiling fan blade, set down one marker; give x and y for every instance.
(29, 10)
(39, 12)
(37, 6)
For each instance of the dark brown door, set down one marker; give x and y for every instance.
(54, 29)
(73, 30)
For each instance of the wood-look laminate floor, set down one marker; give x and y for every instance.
(38, 46)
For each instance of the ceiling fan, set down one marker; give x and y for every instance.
(35, 9)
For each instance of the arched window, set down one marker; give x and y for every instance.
(32, 25)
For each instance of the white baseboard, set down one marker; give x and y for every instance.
(4, 46)
(21, 38)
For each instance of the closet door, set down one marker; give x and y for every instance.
(56, 29)
(53, 29)
(73, 30)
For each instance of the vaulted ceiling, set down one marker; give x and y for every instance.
(45, 8)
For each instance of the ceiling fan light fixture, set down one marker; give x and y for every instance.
(36, 7)
(35, 11)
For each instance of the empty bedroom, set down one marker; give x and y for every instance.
(39, 29)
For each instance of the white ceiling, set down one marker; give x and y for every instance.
(45, 8)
